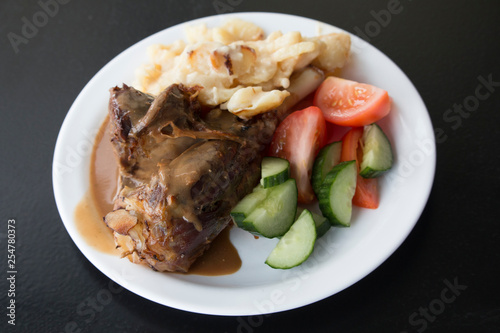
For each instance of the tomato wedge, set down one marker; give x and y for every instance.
(298, 139)
(350, 144)
(349, 103)
(366, 194)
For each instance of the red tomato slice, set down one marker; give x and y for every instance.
(335, 132)
(349, 103)
(298, 139)
(350, 143)
(366, 194)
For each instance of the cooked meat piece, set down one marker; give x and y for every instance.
(182, 169)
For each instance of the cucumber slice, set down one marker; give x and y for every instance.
(336, 192)
(321, 222)
(327, 158)
(275, 171)
(377, 152)
(296, 245)
(247, 205)
(273, 216)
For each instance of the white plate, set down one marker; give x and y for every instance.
(342, 257)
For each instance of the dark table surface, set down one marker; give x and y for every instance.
(445, 48)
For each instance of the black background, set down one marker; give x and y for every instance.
(443, 47)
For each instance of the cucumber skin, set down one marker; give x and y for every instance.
(317, 171)
(238, 218)
(324, 195)
(276, 179)
(368, 172)
(371, 173)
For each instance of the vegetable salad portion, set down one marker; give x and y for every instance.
(303, 167)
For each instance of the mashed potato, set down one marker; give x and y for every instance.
(237, 67)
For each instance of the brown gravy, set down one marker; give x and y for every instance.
(221, 258)
(92, 228)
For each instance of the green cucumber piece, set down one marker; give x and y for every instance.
(275, 171)
(273, 216)
(327, 158)
(247, 205)
(377, 152)
(321, 222)
(336, 192)
(296, 245)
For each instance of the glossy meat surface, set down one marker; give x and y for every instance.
(182, 169)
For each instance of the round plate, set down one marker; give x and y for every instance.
(341, 257)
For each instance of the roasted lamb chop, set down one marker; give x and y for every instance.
(182, 169)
